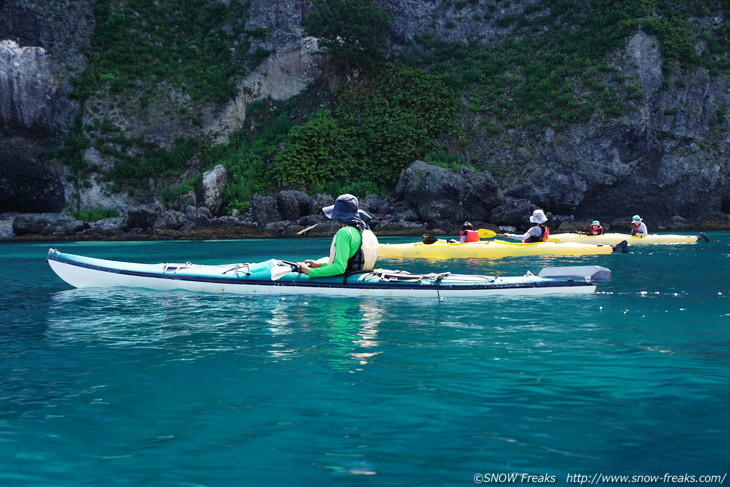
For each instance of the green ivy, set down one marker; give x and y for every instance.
(383, 121)
(158, 163)
(94, 214)
(676, 37)
(315, 153)
(172, 193)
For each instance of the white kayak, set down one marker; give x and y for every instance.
(615, 238)
(276, 277)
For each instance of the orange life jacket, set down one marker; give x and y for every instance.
(471, 235)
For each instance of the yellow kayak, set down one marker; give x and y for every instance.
(615, 238)
(489, 249)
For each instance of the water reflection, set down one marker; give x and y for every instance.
(345, 331)
(347, 328)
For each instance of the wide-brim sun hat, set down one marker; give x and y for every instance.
(346, 209)
(635, 218)
(538, 216)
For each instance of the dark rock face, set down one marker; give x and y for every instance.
(142, 218)
(445, 198)
(63, 26)
(34, 91)
(35, 111)
(30, 224)
(293, 204)
(513, 212)
(27, 183)
(264, 210)
(170, 220)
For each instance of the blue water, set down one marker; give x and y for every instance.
(130, 387)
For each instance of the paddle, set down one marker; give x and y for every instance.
(703, 237)
(302, 232)
(283, 268)
(280, 270)
(484, 233)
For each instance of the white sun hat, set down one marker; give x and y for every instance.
(538, 216)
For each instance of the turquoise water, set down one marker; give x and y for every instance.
(130, 387)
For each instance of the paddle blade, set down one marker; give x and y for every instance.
(302, 232)
(279, 271)
(484, 233)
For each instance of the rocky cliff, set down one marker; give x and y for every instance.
(667, 156)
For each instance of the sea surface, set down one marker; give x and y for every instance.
(123, 387)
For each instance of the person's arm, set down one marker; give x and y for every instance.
(343, 248)
(515, 236)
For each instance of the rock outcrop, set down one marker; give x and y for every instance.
(444, 198)
(288, 213)
(35, 111)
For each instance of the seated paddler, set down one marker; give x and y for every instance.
(595, 228)
(354, 247)
(538, 232)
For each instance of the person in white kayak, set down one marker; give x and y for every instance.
(538, 232)
(638, 227)
(354, 247)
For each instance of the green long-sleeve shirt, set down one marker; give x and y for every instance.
(347, 242)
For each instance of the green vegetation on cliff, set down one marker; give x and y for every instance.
(555, 64)
(195, 45)
(558, 65)
(382, 122)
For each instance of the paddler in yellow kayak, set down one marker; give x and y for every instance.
(467, 235)
(354, 247)
(595, 228)
(538, 232)
(638, 227)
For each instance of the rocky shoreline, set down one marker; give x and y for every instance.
(390, 218)
(427, 199)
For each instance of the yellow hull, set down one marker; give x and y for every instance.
(489, 249)
(615, 238)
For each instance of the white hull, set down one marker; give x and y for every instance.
(82, 272)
